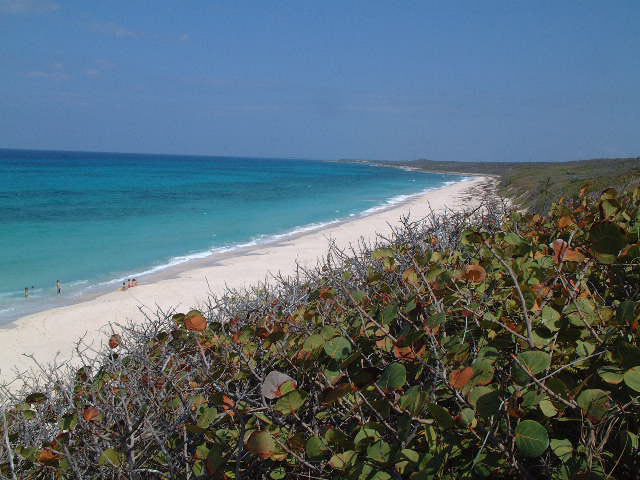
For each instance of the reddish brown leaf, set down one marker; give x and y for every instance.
(574, 256)
(115, 340)
(410, 353)
(227, 405)
(459, 378)
(474, 273)
(47, 456)
(565, 221)
(559, 247)
(90, 414)
(195, 322)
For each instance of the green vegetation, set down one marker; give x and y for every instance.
(484, 346)
(535, 185)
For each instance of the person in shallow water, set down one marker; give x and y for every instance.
(59, 287)
(26, 292)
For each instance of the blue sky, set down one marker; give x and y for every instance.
(477, 80)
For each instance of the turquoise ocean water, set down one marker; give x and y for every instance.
(91, 220)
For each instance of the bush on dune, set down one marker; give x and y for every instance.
(484, 346)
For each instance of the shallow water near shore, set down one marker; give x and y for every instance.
(92, 220)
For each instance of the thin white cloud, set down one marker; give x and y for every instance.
(91, 72)
(115, 30)
(48, 75)
(15, 7)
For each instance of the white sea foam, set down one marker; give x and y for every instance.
(270, 238)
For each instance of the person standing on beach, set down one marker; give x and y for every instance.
(59, 287)
(26, 292)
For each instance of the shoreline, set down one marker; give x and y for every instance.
(52, 334)
(204, 258)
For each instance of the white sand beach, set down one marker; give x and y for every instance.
(52, 334)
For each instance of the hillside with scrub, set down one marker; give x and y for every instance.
(481, 344)
(535, 185)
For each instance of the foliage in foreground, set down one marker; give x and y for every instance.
(509, 350)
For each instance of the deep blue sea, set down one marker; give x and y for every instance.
(91, 220)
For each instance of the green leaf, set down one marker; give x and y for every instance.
(278, 473)
(548, 408)
(382, 253)
(478, 392)
(313, 343)
(36, 398)
(291, 402)
(441, 415)
(532, 438)
(111, 457)
(379, 451)
(607, 239)
(488, 404)
(515, 239)
(410, 455)
(535, 361)
(394, 376)
(207, 414)
(262, 444)
(632, 378)
(344, 460)
(436, 320)
(365, 437)
(562, 449)
(338, 348)
(412, 400)
(593, 402)
(550, 318)
(611, 374)
(316, 447)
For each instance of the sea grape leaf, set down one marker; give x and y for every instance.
(488, 404)
(459, 378)
(548, 408)
(111, 457)
(379, 451)
(532, 438)
(412, 400)
(272, 383)
(207, 414)
(607, 239)
(261, 443)
(366, 436)
(316, 447)
(632, 378)
(441, 415)
(593, 402)
(313, 343)
(550, 318)
(291, 402)
(561, 448)
(394, 376)
(344, 460)
(36, 398)
(534, 361)
(365, 376)
(338, 348)
(611, 374)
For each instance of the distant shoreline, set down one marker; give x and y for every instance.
(56, 330)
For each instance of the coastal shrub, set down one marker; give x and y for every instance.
(465, 346)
